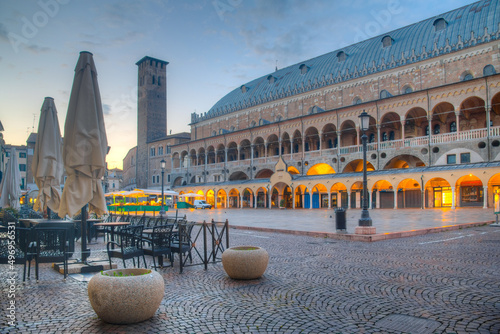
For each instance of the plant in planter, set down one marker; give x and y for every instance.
(245, 262)
(126, 296)
(282, 204)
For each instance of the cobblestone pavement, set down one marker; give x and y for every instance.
(446, 282)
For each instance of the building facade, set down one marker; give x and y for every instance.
(292, 137)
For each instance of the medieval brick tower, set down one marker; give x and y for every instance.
(151, 111)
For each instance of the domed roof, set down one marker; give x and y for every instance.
(458, 29)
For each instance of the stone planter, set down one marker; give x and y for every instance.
(126, 299)
(245, 262)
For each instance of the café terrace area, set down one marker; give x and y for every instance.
(441, 278)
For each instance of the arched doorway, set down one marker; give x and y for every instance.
(470, 190)
(382, 195)
(438, 193)
(409, 194)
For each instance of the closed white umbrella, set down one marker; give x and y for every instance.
(11, 183)
(85, 146)
(47, 165)
(85, 142)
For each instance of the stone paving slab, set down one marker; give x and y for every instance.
(312, 285)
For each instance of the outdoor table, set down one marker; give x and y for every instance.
(54, 223)
(112, 226)
(90, 227)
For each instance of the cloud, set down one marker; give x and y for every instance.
(36, 49)
(4, 34)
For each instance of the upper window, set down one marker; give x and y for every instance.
(341, 56)
(489, 70)
(160, 150)
(152, 152)
(466, 76)
(440, 24)
(451, 159)
(357, 100)
(387, 41)
(22, 154)
(407, 90)
(303, 69)
(385, 94)
(465, 158)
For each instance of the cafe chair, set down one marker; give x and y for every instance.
(129, 245)
(18, 240)
(158, 244)
(181, 241)
(49, 245)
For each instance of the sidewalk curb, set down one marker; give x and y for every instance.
(366, 238)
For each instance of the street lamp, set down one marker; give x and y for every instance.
(162, 163)
(365, 220)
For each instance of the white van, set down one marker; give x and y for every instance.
(201, 204)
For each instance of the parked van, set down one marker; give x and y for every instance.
(201, 204)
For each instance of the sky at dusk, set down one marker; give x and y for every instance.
(212, 47)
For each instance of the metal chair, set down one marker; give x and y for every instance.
(181, 241)
(49, 245)
(130, 245)
(159, 243)
(14, 246)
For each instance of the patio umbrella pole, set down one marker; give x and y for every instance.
(85, 250)
(48, 213)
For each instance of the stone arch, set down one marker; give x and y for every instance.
(390, 127)
(320, 169)
(232, 151)
(259, 149)
(442, 114)
(404, 161)
(415, 122)
(238, 176)
(311, 139)
(357, 166)
(264, 174)
(286, 144)
(348, 134)
(273, 145)
(245, 149)
(472, 114)
(329, 136)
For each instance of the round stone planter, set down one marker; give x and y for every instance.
(126, 299)
(245, 262)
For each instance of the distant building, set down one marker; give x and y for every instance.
(114, 180)
(432, 91)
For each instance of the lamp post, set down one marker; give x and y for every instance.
(365, 222)
(162, 211)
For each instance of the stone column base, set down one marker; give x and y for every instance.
(365, 230)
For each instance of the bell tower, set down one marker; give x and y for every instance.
(151, 111)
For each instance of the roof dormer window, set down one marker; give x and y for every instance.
(271, 79)
(387, 41)
(244, 88)
(303, 68)
(341, 56)
(440, 24)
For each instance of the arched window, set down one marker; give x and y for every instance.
(371, 139)
(385, 94)
(466, 76)
(391, 135)
(306, 147)
(489, 70)
(440, 24)
(214, 133)
(407, 90)
(341, 56)
(453, 127)
(387, 41)
(335, 142)
(384, 136)
(357, 100)
(244, 89)
(437, 129)
(303, 69)
(330, 143)
(253, 124)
